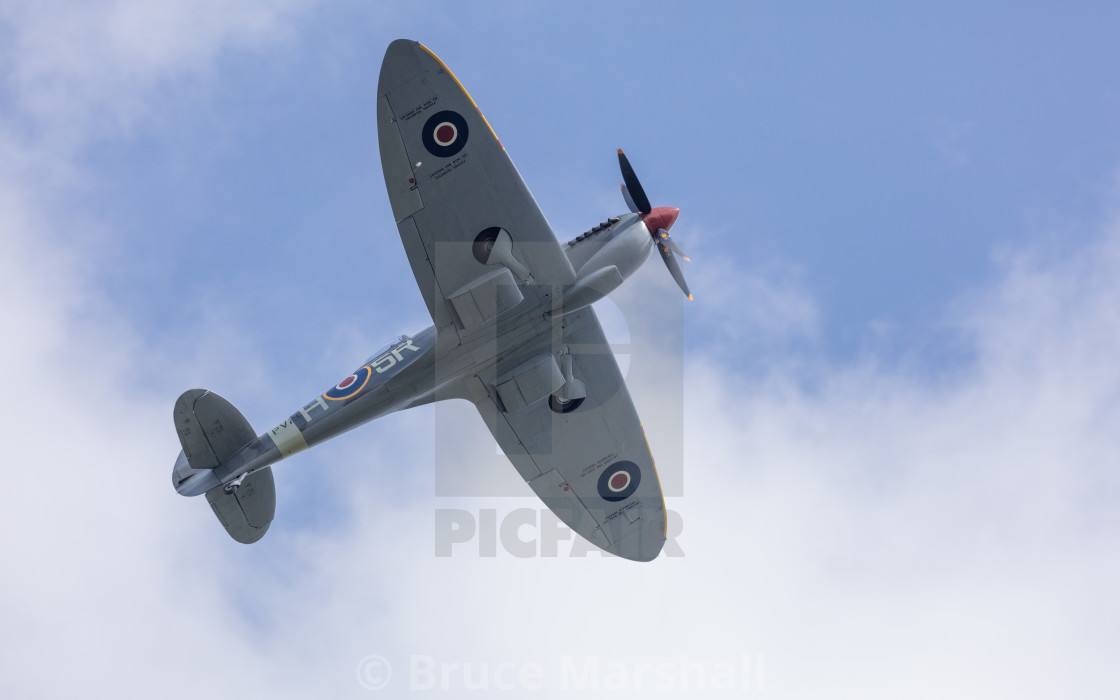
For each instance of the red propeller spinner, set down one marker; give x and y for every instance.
(661, 217)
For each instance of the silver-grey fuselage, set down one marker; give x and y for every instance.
(416, 370)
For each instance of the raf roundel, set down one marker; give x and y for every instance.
(348, 387)
(445, 133)
(619, 481)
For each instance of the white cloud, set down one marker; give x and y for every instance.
(884, 535)
(948, 534)
(90, 68)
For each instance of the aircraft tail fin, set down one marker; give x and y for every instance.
(211, 431)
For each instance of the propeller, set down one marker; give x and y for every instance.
(658, 220)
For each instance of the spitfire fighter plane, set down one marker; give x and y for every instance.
(514, 332)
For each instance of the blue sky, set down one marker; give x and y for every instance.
(911, 145)
(900, 391)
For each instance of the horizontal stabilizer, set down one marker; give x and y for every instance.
(210, 429)
(247, 510)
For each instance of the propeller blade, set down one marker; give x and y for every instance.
(628, 198)
(635, 188)
(664, 235)
(674, 269)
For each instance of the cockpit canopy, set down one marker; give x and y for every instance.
(402, 340)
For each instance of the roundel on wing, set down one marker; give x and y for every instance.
(445, 133)
(619, 481)
(348, 387)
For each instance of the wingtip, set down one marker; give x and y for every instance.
(620, 152)
(690, 297)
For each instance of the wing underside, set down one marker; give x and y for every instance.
(588, 460)
(479, 246)
(468, 222)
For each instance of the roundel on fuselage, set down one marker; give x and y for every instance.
(348, 387)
